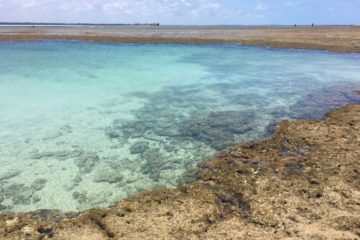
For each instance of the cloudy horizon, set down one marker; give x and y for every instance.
(182, 12)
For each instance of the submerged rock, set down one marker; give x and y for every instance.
(38, 184)
(38, 155)
(81, 197)
(2, 207)
(218, 129)
(171, 131)
(108, 175)
(66, 129)
(87, 162)
(60, 155)
(76, 180)
(20, 194)
(315, 105)
(9, 174)
(134, 129)
(112, 133)
(154, 163)
(139, 147)
(36, 199)
(153, 137)
(21, 200)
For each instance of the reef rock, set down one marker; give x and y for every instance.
(218, 129)
(108, 175)
(38, 184)
(86, 162)
(139, 147)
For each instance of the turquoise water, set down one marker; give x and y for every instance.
(86, 124)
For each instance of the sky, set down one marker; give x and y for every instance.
(183, 12)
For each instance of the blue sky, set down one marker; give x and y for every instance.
(184, 11)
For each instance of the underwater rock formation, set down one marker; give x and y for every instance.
(86, 162)
(20, 194)
(139, 147)
(38, 184)
(218, 129)
(60, 155)
(321, 101)
(176, 128)
(108, 175)
(9, 174)
(154, 163)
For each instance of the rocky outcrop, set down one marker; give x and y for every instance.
(302, 183)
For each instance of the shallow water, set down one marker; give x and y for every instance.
(86, 124)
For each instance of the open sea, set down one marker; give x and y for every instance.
(85, 124)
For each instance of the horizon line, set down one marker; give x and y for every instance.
(158, 24)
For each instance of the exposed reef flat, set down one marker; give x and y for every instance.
(337, 39)
(302, 183)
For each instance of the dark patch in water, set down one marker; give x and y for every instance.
(317, 103)
(218, 129)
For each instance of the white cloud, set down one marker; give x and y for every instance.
(291, 3)
(260, 7)
(180, 11)
(207, 8)
(136, 8)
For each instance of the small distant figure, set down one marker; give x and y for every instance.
(312, 25)
(158, 24)
(295, 25)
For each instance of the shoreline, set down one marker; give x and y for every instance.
(334, 39)
(301, 182)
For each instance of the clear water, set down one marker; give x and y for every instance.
(86, 124)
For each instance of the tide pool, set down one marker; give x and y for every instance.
(85, 124)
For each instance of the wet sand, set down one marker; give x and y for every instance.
(301, 183)
(337, 39)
